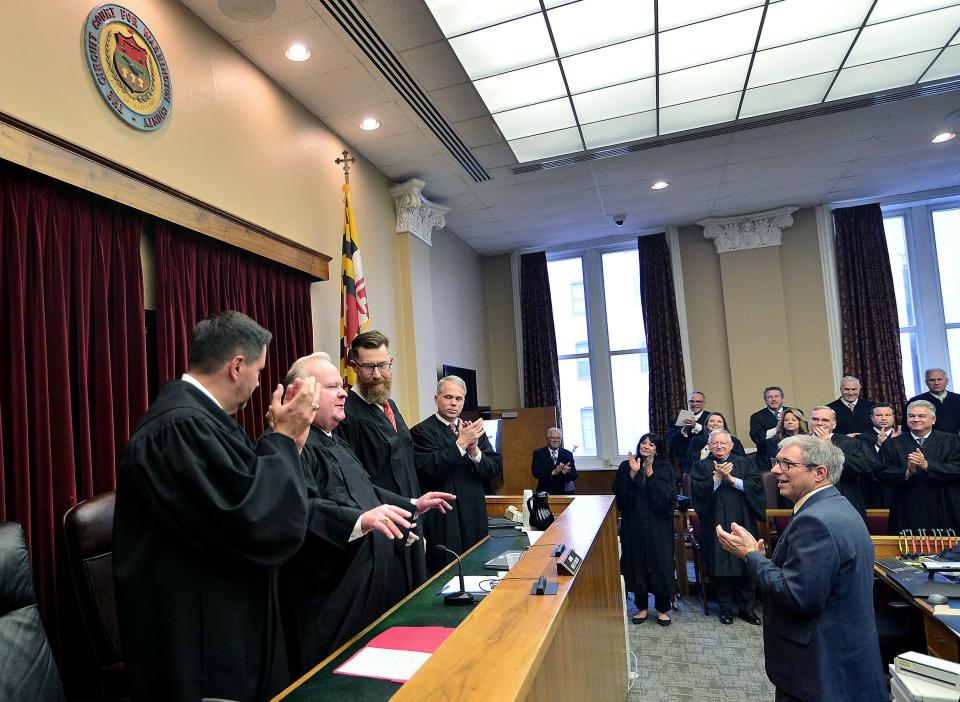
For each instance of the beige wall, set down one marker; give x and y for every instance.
(234, 140)
(501, 334)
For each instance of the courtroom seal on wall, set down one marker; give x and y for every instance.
(128, 66)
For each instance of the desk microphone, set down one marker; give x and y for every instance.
(456, 598)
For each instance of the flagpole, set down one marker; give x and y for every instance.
(345, 160)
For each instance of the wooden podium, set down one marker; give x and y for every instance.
(522, 431)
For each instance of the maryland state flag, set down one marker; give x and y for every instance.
(354, 313)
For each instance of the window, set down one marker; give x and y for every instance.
(604, 377)
(924, 247)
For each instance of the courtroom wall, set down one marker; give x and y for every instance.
(459, 309)
(501, 338)
(234, 140)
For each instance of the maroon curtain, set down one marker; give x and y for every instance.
(870, 329)
(668, 385)
(541, 369)
(197, 276)
(73, 378)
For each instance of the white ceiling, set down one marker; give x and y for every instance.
(869, 153)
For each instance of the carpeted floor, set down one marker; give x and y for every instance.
(697, 659)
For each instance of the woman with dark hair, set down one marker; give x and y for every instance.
(791, 423)
(698, 444)
(646, 497)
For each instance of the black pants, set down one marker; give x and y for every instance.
(729, 589)
(661, 602)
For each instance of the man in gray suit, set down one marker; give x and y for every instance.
(819, 632)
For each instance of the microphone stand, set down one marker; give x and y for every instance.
(456, 598)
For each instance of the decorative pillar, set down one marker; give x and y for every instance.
(754, 305)
(416, 219)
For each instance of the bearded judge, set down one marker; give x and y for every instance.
(923, 465)
(376, 432)
(724, 489)
(347, 573)
(454, 456)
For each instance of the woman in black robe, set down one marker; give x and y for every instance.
(646, 497)
(698, 444)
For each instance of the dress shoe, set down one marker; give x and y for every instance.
(664, 622)
(639, 620)
(751, 618)
(726, 618)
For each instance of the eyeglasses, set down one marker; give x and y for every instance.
(787, 465)
(369, 368)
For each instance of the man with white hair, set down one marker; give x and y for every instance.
(850, 409)
(455, 456)
(856, 462)
(946, 404)
(819, 630)
(923, 465)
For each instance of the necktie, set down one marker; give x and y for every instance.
(920, 440)
(553, 455)
(453, 427)
(387, 410)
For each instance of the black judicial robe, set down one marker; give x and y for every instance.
(857, 466)
(948, 412)
(724, 505)
(332, 588)
(930, 499)
(441, 467)
(696, 446)
(387, 456)
(646, 528)
(679, 443)
(204, 519)
(876, 494)
(852, 421)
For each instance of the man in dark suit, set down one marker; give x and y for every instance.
(763, 424)
(876, 494)
(553, 466)
(856, 463)
(946, 404)
(678, 438)
(851, 410)
(819, 634)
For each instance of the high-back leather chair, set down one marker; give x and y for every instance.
(88, 532)
(27, 669)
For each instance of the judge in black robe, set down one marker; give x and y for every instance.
(738, 498)
(928, 499)
(946, 404)
(387, 456)
(852, 421)
(646, 501)
(678, 437)
(856, 463)
(877, 494)
(443, 465)
(715, 420)
(204, 518)
(334, 587)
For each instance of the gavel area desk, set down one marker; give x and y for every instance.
(942, 640)
(511, 645)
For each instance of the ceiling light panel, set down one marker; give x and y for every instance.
(616, 101)
(731, 35)
(946, 66)
(786, 95)
(458, 17)
(905, 36)
(800, 59)
(620, 130)
(536, 119)
(704, 81)
(795, 20)
(614, 64)
(893, 9)
(715, 110)
(504, 47)
(881, 75)
(523, 87)
(541, 146)
(590, 24)
(677, 13)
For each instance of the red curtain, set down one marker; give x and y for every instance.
(197, 276)
(73, 378)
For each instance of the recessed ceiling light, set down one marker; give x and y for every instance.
(297, 52)
(248, 10)
(660, 185)
(369, 124)
(944, 136)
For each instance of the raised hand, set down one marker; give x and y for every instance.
(438, 500)
(385, 519)
(293, 414)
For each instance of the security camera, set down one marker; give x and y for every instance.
(619, 220)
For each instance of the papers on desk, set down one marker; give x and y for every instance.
(534, 536)
(683, 417)
(396, 654)
(471, 584)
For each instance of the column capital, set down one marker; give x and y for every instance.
(416, 214)
(748, 231)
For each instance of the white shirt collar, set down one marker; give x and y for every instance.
(940, 397)
(187, 378)
(924, 437)
(445, 421)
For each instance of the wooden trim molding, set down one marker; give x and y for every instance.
(34, 148)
